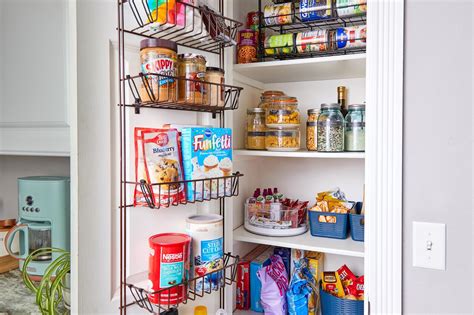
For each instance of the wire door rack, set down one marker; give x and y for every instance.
(191, 26)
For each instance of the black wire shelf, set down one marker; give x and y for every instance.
(178, 93)
(184, 23)
(190, 290)
(164, 195)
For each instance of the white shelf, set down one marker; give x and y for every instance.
(244, 312)
(306, 241)
(302, 154)
(308, 69)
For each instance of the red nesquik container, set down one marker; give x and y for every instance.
(169, 266)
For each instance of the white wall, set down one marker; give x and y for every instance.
(437, 150)
(12, 167)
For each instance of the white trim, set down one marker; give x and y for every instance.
(34, 124)
(34, 153)
(383, 171)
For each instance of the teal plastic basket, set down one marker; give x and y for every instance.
(332, 230)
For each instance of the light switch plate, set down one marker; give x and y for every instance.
(429, 245)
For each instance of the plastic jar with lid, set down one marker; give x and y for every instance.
(215, 91)
(282, 139)
(256, 129)
(191, 73)
(354, 135)
(330, 128)
(158, 57)
(282, 112)
(267, 96)
(312, 129)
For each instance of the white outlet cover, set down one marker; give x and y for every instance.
(429, 245)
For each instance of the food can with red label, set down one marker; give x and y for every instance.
(253, 19)
(247, 37)
(169, 267)
(351, 37)
(312, 41)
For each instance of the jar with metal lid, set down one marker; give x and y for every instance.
(215, 91)
(158, 58)
(256, 129)
(354, 135)
(330, 128)
(312, 129)
(282, 139)
(282, 112)
(192, 73)
(267, 96)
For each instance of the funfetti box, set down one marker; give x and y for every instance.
(207, 154)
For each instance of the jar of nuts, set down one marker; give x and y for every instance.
(330, 128)
(256, 129)
(282, 112)
(312, 129)
(282, 139)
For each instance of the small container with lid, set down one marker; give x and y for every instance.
(191, 73)
(158, 57)
(282, 112)
(267, 97)
(354, 135)
(330, 128)
(215, 91)
(312, 129)
(256, 129)
(282, 139)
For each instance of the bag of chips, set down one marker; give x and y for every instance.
(274, 281)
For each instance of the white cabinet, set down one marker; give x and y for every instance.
(33, 78)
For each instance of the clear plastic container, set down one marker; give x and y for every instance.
(256, 129)
(282, 139)
(330, 128)
(282, 112)
(275, 219)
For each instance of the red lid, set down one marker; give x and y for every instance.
(169, 239)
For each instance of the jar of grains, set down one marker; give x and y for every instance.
(158, 58)
(193, 68)
(215, 90)
(282, 112)
(354, 135)
(256, 129)
(267, 97)
(282, 139)
(330, 128)
(312, 129)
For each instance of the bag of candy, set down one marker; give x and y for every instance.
(274, 280)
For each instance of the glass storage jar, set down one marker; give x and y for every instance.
(256, 129)
(354, 135)
(282, 139)
(215, 91)
(282, 112)
(193, 68)
(330, 128)
(267, 96)
(312, 129)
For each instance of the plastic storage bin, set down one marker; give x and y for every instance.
(331, 305)
(338, 229)
(357, 224)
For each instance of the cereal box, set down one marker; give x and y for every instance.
(207, 154)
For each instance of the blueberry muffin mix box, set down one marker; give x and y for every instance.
(207, 153)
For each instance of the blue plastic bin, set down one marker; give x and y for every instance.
(357, 224)
(331, 305)
(332, 230)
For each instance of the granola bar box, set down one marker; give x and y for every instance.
(207, 154)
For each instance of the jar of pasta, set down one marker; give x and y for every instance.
(312, 129)
(282, 112)
(267, 97)
(192, 73)
(330, 128)
(282, 139)
(215, 90)
(158, 63)
(256, 129)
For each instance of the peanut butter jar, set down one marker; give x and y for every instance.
(158, 59)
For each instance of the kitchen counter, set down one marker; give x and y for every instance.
(15, 297)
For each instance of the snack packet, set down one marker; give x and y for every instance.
(274, 281)
(347, 277)
(298, 293)
(332, 283)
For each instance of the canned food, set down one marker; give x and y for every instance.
(351, 7)
(253, 19)
(279, 44)
(278, 14)
(312, 41)
(312, 10)
(351, 37)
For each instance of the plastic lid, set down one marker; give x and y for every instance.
(330, 106)
(288, 100)
(200, 310)
(313, 111)
(215, 69)
(159, 43)
(165, 239)
(255, 110)
(357, 106)
(188, 56)
(204, 218)
(272, 93)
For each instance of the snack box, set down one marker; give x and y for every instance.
(315, 264)
(207, 153)
(285, 254)
(243, 277)
(255, 285)
(296, 259)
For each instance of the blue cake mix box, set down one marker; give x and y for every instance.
(207, 154)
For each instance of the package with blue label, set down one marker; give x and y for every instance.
(312, 10)
(207, 154)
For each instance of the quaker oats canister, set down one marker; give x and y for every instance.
(206, 231)
(158, 57)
